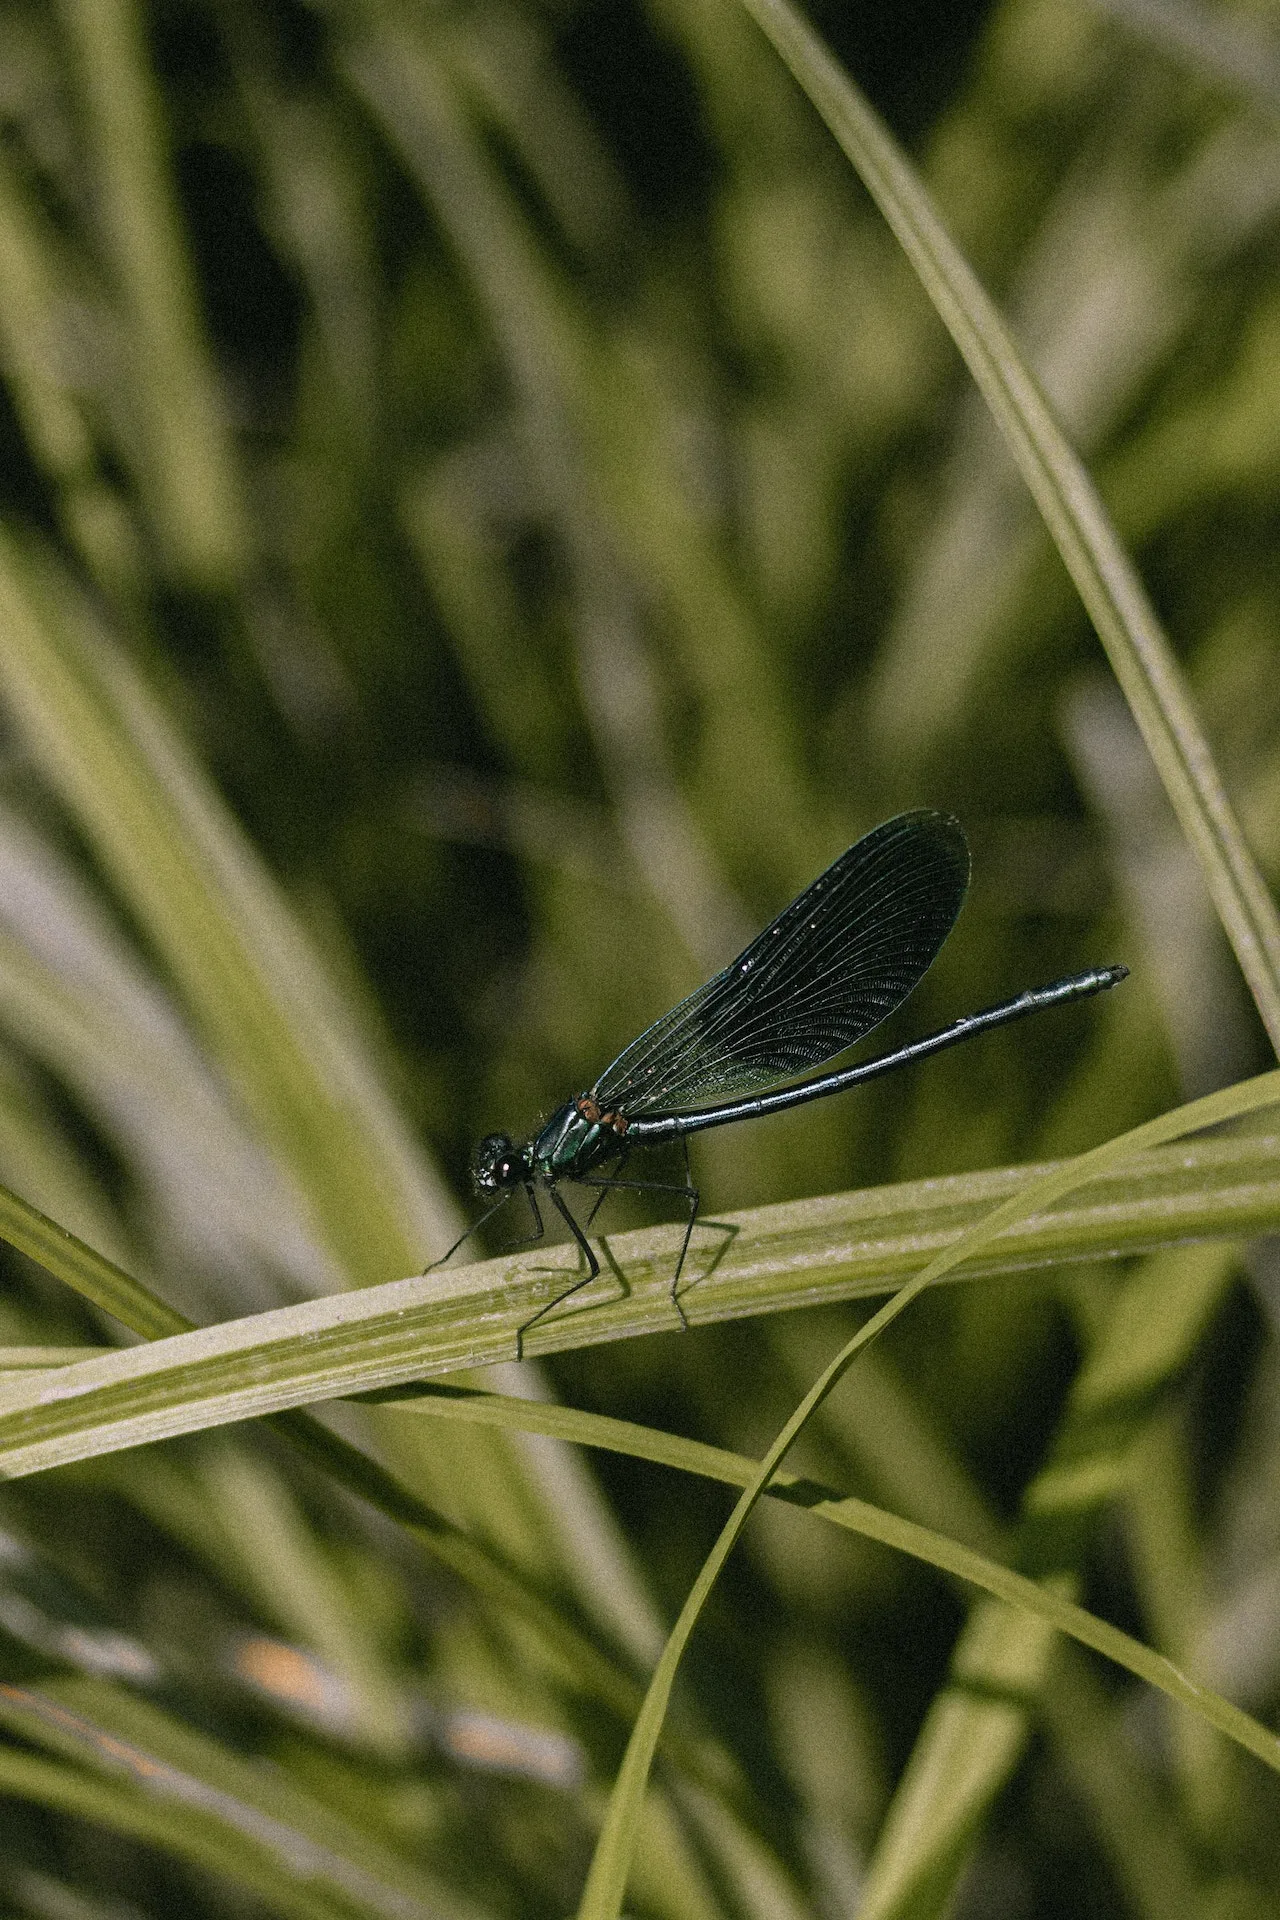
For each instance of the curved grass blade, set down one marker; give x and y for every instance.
(606, 1881)
(857, 1516)
(1105, 577)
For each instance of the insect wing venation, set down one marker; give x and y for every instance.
(820, 977)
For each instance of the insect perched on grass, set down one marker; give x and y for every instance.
(819, 978)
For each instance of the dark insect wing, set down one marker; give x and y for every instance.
(831, 967)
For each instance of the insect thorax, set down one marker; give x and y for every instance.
(575, 1139)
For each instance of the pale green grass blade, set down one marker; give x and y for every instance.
(86, 1272)
(450, 1321)
(39, 1158)
(606, 1882)
(1104, 575)
(126, 1764)
(78, 998)
(247, 974)
(189, 464)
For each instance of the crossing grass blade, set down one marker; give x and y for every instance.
(1042, 1603)
(611, 1864)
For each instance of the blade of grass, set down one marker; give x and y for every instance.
(578, 1660)
(248, 976)
(856, 1516)
(78, 998)
(1104, 575)
(447, 1322)
(606, 1881)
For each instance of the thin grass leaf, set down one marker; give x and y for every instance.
(247, 974)
(444, 1322)
(1033, 1602)
(1105, 577)
(606, 1881)
(80, 1000)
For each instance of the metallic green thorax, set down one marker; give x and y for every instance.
(571, 1144)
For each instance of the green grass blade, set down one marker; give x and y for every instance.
(1104, 575)
(606, 1881)
(449, 1321)
(247, 975)
(858, 1516)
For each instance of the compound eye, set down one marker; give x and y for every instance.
(494, 1162)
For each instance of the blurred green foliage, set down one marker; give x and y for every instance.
(485, 514)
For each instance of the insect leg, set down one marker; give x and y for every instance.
(532, 1198)
(593, 1265)
(624, 1154)
(688, 1192)
(473, 1228)
(695, 1201)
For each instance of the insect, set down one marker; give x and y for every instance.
(822, 976)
